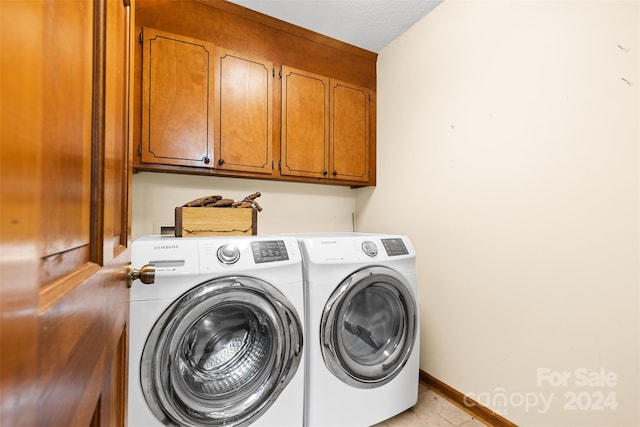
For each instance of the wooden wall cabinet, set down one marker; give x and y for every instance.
(230, 116)
(205, 106)
(325, 127)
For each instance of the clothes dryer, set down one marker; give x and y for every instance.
(362, 328)
(218, 338)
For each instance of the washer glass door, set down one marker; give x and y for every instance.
(368, 327)
(221, 354)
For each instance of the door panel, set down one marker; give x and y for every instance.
(67, 136)
(177, 99)
(305, 123)
(349, 131)
(116, 121)
(243, 113)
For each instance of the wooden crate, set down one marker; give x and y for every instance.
(193, 222)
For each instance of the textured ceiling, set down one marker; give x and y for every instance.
(369, 24)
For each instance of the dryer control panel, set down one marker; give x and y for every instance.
(356, 247)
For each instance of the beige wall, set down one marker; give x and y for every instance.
(287, 207)
(510, 145)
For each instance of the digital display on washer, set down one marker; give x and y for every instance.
(269, 251)
(394, 247)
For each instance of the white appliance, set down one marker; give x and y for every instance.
(362, 339)
(218, 338)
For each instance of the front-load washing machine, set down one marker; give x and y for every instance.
(218, 338)
(362, 328)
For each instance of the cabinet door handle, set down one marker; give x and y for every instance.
(334, 173)
(206, 160)
(324, 172)
(221, 162)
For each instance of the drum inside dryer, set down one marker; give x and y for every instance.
(368, 327)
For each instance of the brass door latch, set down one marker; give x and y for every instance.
(146, 274)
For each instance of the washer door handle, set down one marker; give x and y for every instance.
(146, 274)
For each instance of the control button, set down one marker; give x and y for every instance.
(228, 254)
(369, 248)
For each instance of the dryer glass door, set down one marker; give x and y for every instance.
(368, 327)
(221, 354)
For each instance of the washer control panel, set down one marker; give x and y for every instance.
(269, 251)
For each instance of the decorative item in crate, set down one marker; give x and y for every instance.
(218, 216)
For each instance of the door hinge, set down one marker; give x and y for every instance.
(280, 165)
(141, 38)
(280, 73)
(140, 150)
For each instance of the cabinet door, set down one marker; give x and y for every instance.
(243, 113)
(305, 124)
(349, 132)
(177, 100)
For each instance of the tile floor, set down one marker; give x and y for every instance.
(432, 410)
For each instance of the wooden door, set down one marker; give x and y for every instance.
(65, 212)
(305, 124)
(349, 132)
(243, 113)
(177, 99)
